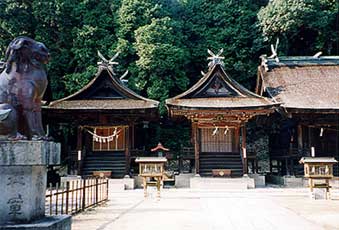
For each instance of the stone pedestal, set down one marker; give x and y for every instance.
(62, 222)
(183, 180)
(23, 172)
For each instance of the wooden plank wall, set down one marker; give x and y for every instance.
(218, 142)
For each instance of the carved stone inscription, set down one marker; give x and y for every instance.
(16, 180)
(16, 201)
(15, 204)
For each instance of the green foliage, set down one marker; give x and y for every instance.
(162, 57)
(304, 26)
(224, 24)
(163, 43)
(95, 31)
(16, 18)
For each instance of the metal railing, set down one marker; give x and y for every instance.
(75, 196)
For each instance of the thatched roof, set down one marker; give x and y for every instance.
(301, 83)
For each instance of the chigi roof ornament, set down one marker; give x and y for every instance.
(109, 62)
(274, 51)
(215, 58)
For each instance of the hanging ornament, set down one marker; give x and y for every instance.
(226, 130)
(215, 131)
(321, 132)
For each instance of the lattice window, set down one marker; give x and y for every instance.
(114, 141)
(220, 142)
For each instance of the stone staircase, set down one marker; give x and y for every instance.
(217, 160)
(105, 161)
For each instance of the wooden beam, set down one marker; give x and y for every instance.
(300, 137)
(243, 145)
(309, 137)
(133, 135)
(195, 132)
(127, 149)
(236, 147)
(79, 148)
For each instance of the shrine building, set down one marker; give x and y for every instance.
(218, 109)
(108, 117)
(308, 90)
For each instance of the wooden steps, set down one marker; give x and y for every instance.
(105, 161)
(210, 161)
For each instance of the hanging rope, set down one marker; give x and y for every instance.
(104, 139)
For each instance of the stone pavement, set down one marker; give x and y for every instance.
(185, 209)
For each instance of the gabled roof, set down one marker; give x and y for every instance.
(301, 84)
(216, 90)
(104, 92)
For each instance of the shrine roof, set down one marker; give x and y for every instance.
(159, 147)
(216, 90)
(301, 83)
(150, 159)
(105, 92)
(318, 160)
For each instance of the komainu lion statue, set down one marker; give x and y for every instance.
(22, 85)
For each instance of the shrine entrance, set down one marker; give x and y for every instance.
(219, 152)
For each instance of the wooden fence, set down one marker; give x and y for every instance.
(75, 196)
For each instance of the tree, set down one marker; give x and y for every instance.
(16, 18)
(55, 21)
(223, 24)
(162, 58)
(132, 15)
(95, 31)
(304, 26)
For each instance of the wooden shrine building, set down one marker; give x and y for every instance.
(218, 108)
(308, 90)
(107, 116)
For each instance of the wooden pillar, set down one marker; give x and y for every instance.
(133, 136)
(79, 150)
(309, 136)
(236, 147)
(300, 138)
(127, 149)
(195, 132)
(243, 145)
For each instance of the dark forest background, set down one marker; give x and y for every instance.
(163, 43)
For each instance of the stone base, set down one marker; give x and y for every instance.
(183, 180)
(22, 192)
(23, 179)
(286, 181)
(259, 180)
(138, 181)
(48, 223)
(221, 183)
(128, 183)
